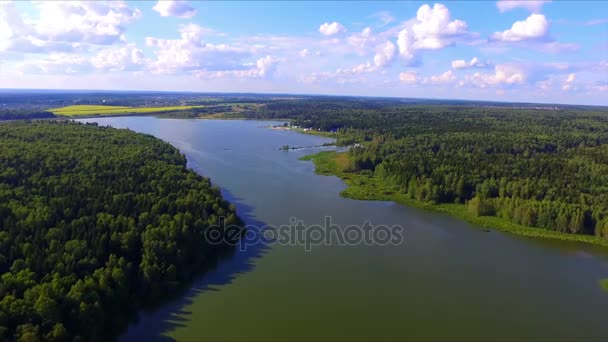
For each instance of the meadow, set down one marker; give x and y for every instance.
(86, 110)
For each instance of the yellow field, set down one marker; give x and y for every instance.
(80, 110)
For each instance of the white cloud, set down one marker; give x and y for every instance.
(568, 84)
(384, 55)
(571, 78)
(56, 63)
(508, 74)
(405, 46)
(189, 52)
(473, 63)
(362, 41)
(444, 78)
(64, 26)
(432, 29)
(95, 22)
(460, 64)
(408, 77)
(534, 27)
(330, 29)
(434, 25)
(264, 67)
(127, 57)
(174, 8)
(531, 5)
(307, 53)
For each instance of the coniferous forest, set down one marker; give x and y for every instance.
(95, 223)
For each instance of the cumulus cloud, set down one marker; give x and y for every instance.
(535, 27)
(265, 66)
(473, 63)
(127, 57)
(64, 26)
(531, 5)
(405, 45)
(444, 78)
(432, 29)
(189, 52)
(83, 21)
(434, 25)
(408, 77)
(384, 54)
(174, 8)
(330, 29)
(507, 74)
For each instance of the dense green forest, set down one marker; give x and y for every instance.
(95, 222)
(540, 168)
(24, 114)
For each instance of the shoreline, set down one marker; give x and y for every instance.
(302, 130)
(370, 188)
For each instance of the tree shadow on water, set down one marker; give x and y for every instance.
(152, 324)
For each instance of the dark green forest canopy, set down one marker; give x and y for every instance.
(544, 168)
(94, 223)
(24, 114)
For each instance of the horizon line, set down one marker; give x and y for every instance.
(84, 91)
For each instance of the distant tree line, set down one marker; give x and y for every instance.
(94, 223)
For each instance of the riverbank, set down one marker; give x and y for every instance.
(303, 130)
(371, 188)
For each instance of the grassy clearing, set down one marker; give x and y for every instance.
(604, 284)
(367, 187)
(312, 132)
(83, 110)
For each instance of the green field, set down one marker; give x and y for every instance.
(85, 110)
(363, 186)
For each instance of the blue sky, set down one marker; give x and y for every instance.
(533, 51)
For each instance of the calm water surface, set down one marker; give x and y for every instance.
(448, 280)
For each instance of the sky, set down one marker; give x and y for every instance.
(519, 51)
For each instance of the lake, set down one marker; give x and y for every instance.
(446, 280)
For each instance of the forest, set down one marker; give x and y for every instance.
(24, 114)
(544, 168)
(96, 223)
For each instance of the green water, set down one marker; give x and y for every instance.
(447, 281)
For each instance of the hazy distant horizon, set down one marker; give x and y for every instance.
(217, 93)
